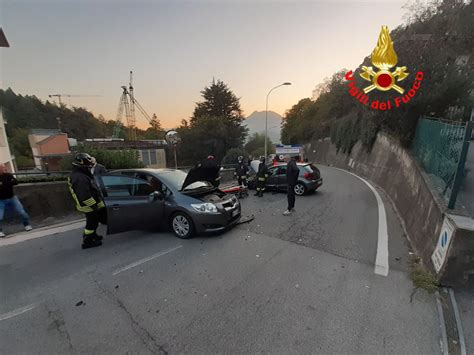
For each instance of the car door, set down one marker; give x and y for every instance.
(131, 203)
(281, 173)
(272, 180)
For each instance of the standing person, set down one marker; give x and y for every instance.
(211, 165)
(8, 199)
(241, 171)
(97, 169)
(292, 173)
(88, 198)
(262, 175)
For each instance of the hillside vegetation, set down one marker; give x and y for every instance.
(437, 40)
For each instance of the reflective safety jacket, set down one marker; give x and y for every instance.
(262, 172)
(84, 190)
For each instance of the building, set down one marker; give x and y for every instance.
(150, 152)
(49, 147)
(5, 154)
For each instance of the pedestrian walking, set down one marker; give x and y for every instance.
(88, 198)
(9, 200)
(98, 169)
(292, 173)
(262, 175)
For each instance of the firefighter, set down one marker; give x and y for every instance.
(88, 198)
(262, 175)
(242, 173)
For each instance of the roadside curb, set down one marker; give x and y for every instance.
(42, 232)
(453, 335)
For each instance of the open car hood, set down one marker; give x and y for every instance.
(201, 172)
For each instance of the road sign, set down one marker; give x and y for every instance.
(439, 256)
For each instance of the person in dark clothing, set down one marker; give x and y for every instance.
(241, 171)
(8, 199)
(292, 173)
(212, 168)
(88, 198)
(98, 169)
(262, 175)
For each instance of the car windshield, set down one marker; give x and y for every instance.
(175, 179)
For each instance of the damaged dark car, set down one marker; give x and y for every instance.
(187, 203)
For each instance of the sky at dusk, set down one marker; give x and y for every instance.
(175, 48)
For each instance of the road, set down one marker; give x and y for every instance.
(298, 284)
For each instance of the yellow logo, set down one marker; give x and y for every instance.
(384, 58)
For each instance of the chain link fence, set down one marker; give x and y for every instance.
(439, 146)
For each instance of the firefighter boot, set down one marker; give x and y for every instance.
(257, 193)
(88, 241)
(97, 237)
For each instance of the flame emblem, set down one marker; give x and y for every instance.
(384, 57)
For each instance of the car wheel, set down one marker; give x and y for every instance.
(182, 226)
(300, 189)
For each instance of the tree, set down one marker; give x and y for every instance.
(233, 154)
(256, 145)
(215, 127)
(219, 101)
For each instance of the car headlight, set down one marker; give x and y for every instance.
(206, 207)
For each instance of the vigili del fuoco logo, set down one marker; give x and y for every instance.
(384, 58)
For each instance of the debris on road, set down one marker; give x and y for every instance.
(80, 303)
(246, 219)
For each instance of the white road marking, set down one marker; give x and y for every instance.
(16, 312)
(381, 261)
(41, 232)
(142, 261)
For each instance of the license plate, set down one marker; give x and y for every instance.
(235, 213)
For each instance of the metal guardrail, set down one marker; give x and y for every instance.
(20, 174)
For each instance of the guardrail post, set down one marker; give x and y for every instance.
(460, 168)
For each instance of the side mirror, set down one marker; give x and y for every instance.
(156, 196)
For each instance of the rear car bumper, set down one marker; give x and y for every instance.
(313, 184)
(209, 223)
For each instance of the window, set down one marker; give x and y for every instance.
(152, 157)
(124, 186)
(281, 170)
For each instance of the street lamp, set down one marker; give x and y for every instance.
(266, 115)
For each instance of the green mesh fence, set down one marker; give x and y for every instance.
(437, 147)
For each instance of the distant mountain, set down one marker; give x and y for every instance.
(256, 124)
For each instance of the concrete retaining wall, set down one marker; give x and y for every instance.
(52, 199)
(46, 199)
(392, 168)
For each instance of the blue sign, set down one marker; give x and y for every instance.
(444, 239)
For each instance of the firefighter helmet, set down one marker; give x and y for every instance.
(83, 160)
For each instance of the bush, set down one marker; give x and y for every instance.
(111, 159)
(232, 155)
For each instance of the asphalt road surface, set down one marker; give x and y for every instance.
(298, 284)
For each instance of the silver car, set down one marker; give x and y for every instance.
(150, 198)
